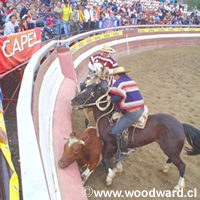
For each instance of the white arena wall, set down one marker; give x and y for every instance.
(49, 83)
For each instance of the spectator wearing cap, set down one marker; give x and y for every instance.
(66, 15)
(57, 12)
(10, 25)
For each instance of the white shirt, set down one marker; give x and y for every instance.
(9, 28)
(86, 15)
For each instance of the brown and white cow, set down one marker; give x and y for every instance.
(85, 149)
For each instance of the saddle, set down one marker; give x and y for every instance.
(140, 123)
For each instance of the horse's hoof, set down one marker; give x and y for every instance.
(110, 176)
(166, 168)
(119, 167)
(177, 188)
(180, 185)
(108, 182)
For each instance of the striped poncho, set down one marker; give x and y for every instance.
(128, 92)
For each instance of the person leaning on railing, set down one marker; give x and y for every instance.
(75, 18)
(57, 12)
(81, 17)
(66, 11)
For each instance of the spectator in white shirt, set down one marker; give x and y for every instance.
(10, 25)
(87, 17)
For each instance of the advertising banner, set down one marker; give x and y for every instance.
(18, 47)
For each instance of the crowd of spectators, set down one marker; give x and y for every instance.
(70, 17)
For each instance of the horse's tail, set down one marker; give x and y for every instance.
(193, 138)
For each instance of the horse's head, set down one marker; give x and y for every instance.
(72, 151)
(89, 96)
(96, 69)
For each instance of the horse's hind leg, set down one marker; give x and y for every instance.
(172, 150)
(181, 167)
(167, 165)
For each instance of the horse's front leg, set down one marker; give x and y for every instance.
(110, 173)
(86, 113)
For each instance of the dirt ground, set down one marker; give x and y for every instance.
(169, 80)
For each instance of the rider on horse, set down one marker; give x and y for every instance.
(128, 100)
(105, 59)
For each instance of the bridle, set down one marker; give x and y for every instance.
(97, 102)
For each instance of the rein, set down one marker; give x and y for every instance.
(97, 103)
(97, 122)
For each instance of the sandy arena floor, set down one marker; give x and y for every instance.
(169, 80)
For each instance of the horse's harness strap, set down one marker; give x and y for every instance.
(97, 103)
(97, 121)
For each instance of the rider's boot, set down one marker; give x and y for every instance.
(118, 152)
(123, 146)
(118, 155)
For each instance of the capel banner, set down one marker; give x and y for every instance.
(18, 47)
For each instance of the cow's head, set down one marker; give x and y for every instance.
(72, 150)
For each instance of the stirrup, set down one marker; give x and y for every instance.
(128, 152)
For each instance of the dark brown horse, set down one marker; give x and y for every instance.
(162, 128)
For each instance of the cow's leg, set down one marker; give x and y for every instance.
(90, 168)
(85, 175)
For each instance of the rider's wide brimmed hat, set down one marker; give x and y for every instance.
(107, 48)
(117, 70)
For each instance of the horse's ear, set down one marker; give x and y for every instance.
(73, 133)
